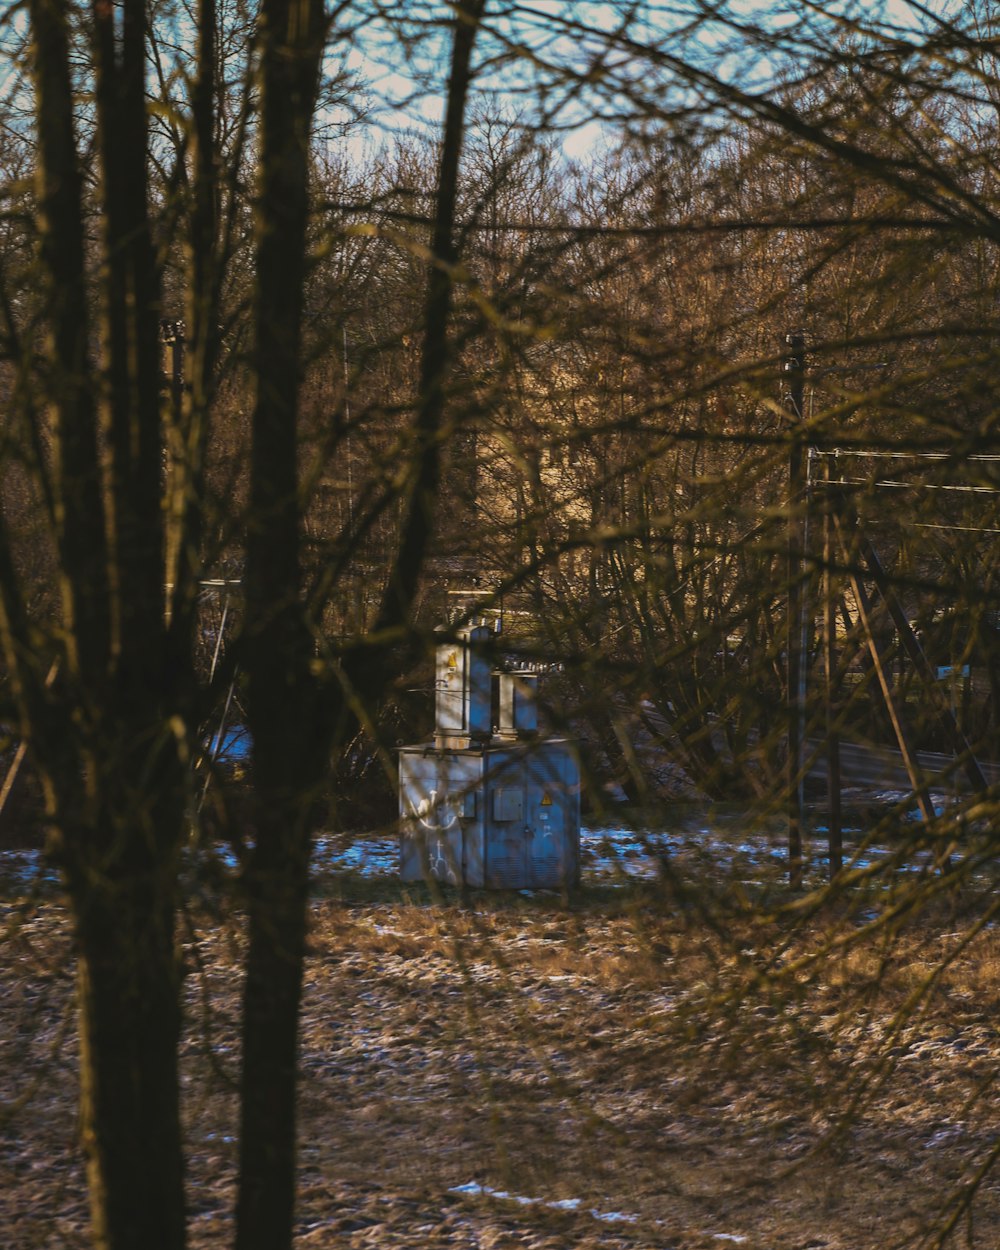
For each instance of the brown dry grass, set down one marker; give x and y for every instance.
(707, 1081)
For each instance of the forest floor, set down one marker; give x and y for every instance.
(636, 1066)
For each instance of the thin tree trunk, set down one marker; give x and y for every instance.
(190, 429)
(425, 467)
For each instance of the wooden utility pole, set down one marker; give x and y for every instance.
(794, 371)
(835, 821)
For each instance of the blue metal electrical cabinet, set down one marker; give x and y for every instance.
(498, 812)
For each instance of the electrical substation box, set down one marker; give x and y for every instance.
(495, 810)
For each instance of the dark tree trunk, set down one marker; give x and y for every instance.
(277, 887)
(103, 737)
(288, 754)
(128, 989)
(291, 729)
(425, 455)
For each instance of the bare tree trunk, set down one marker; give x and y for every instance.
(102, 738)
(289, 757)
(425, 467)
(128, 987)
(291, 729)
(130, 374)
(77, 501)
(190, 429)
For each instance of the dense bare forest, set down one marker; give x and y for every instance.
(662, 338)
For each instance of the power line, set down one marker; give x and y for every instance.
(965, 529)
(666, 229)
(906, 455)
(863, 481)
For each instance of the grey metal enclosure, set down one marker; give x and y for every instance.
(497, 810)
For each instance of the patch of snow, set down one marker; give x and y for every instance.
(613, 854)
(945, 1136)
(561, 1204)
(26, 868)
(371, 856)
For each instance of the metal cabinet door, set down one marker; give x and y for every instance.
(548, 864)
(507, 841)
